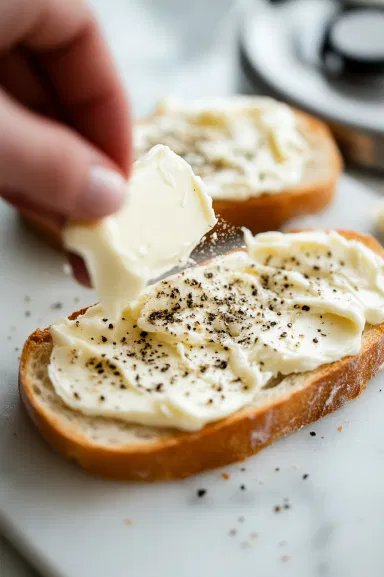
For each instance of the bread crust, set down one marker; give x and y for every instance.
(231, 439)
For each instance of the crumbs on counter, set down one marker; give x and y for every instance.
(340, 429)
(128, 522)
(243, 488)
(286, 505)
(312, 433)
(305, 476)
(284, 558)
(201, 492)
(277, 469)
(225, 476)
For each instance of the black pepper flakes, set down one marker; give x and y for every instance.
(201, 492)
(312, 433)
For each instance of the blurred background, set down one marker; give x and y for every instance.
(325, 56)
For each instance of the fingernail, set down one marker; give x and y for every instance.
(105, 193)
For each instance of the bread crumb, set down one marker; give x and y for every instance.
(225, 476)
(378, 215)
(340, 429)
(284, 558)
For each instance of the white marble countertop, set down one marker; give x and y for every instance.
(184, 48)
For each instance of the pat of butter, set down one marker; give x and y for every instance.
(167, 212)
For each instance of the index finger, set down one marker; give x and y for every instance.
(71, 47)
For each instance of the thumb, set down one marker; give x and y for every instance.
(48, 165)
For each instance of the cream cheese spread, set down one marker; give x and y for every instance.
(242, 146)
(167, 213)
(202, 344)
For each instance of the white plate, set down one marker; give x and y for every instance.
(71, 525)
(274, 39)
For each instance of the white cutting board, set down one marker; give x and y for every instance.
(69, 524)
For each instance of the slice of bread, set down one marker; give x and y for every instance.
(269, 211)
(315, 191)
(118, 450)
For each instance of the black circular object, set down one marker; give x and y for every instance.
(353, 43)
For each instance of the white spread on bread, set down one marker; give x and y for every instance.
(242, 146)
(167, 213)
(200, 345)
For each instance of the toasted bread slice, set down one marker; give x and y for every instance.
(315, 191)
(118, 450)
(269, 211)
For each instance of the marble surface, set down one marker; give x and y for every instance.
(169, 46)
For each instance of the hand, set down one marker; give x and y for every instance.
(65, 137)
